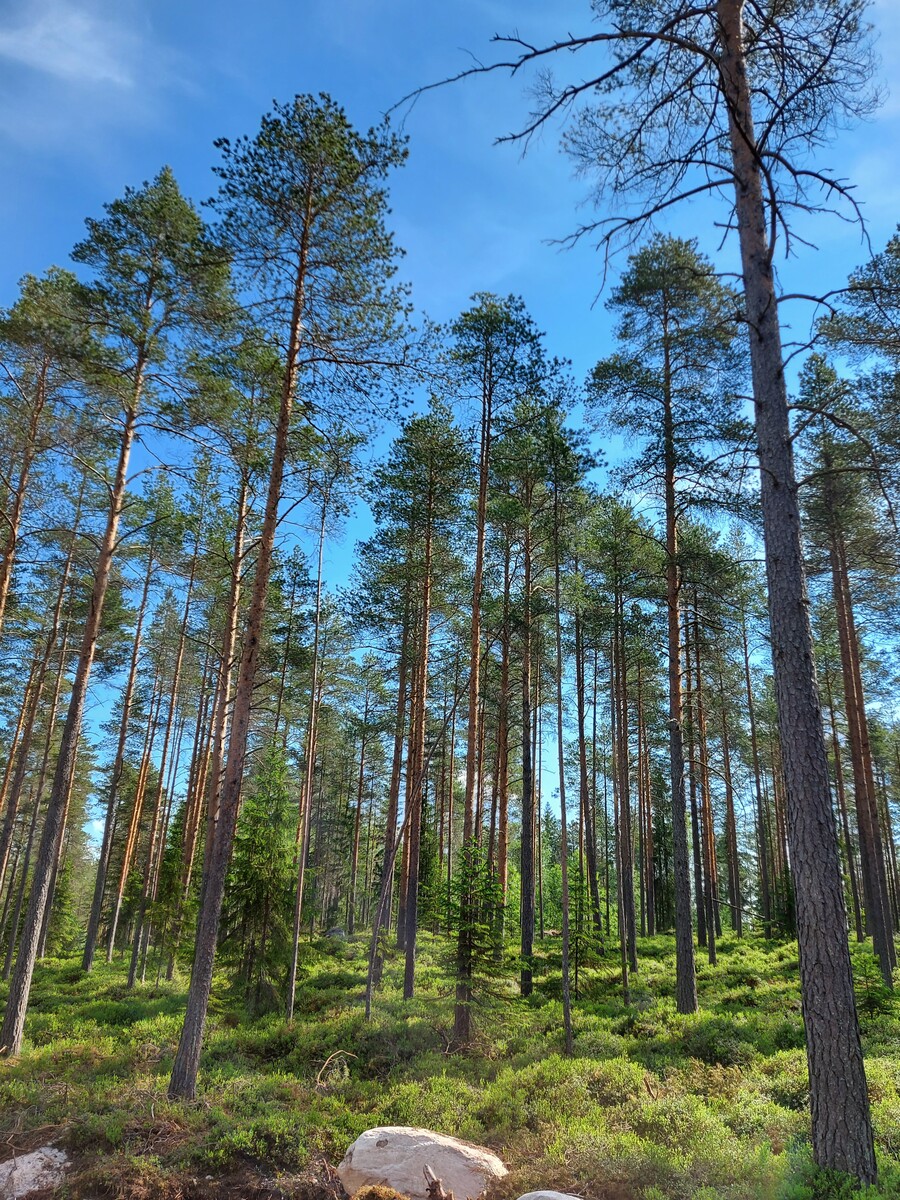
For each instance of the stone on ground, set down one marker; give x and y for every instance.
(395, 1156)
(549, 1196)
(44, 1168)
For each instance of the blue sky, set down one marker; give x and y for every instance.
(96, 95)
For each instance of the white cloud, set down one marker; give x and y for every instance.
(75, 73)
(71, 42)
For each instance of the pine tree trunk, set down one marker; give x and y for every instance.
(417, 744)
(93, 929)
(762, 840)
(13, 1027)
(890, 847)
(697, 853)
(11, 881)
(841, 1124)
(685, 973)
(183, 1082)
(462, 1020)
(393, 811)
(23, 728)
(615, 717)
(452, 783)
(34, 696)
(226, 670)
(623, 775)
(563, 816)
(357, 819)
(306, 797)
(707, 830)
(527, 863)
(845, 819)
(137, 808)
(153, 853)
(639, 781)
(14, 519)
(403, 888)
(53, 709)
(20, 889)
(648, 863)
(32, 704)
(587, 818)
(503, 747)
(537, 755)
(878, 915)
(731, 842)
(193, 807)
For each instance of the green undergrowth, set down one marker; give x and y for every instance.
(652, 1106)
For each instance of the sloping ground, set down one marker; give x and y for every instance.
(653, 1106)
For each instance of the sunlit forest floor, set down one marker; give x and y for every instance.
(653, 1105)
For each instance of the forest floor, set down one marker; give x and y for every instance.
(653, 1105)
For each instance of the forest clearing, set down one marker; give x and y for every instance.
(651, 1104)
(437, 720)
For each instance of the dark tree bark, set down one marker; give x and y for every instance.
(841, 1124)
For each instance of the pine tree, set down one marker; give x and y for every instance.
(731, 99)
(302, 208)
(155, 278)
(674, 385)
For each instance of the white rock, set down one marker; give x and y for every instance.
(549, 1196)
(27, 1173)
(395, 1156)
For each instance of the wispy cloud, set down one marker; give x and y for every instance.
(72, 42)
(73, 72)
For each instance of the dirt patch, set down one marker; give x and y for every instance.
(16, 1141)
(136, 1177)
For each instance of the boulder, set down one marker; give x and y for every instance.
(395, 1156)
(44, 1168)
(549, 1196)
